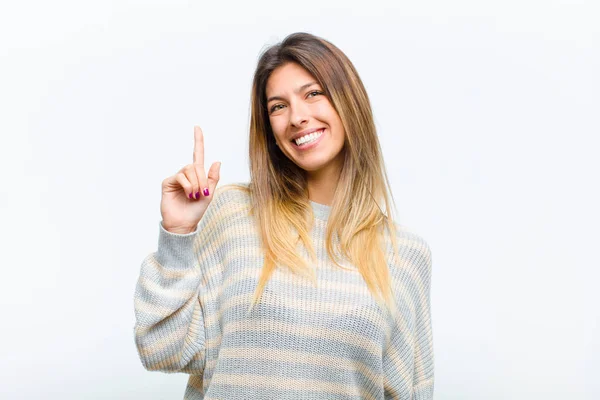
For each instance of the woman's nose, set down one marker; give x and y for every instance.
(299, 115)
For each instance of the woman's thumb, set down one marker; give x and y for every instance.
(214, 174)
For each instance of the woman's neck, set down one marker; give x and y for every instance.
(322, 184)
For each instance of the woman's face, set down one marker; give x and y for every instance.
(297, 106)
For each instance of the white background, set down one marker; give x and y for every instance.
(488, 115)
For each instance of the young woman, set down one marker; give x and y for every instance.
(296, 285)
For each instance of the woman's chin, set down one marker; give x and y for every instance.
(312, 167)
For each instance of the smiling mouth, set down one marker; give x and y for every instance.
(307, 139)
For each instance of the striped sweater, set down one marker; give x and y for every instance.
(331, 341)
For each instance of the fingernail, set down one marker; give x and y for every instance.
(197, 195)
(190, 196)
(205, 191)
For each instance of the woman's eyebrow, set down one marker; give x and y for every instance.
(301, 88)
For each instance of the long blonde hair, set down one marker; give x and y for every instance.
(278, 187)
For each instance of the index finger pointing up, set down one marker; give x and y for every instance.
(198, 146)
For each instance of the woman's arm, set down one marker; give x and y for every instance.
(412, 344)
(423, 376)
(169, 329)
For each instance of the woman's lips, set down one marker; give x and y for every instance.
(309, 145)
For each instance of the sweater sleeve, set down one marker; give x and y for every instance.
(169, 330)
(423, 376)
(416, 343)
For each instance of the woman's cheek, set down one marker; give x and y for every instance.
(278, 128)
(322, 109)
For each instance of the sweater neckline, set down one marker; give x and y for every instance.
(321, 211)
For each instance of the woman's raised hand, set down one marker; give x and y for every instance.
(187, 194)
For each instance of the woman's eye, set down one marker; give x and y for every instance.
(278, 107)
(274, 108)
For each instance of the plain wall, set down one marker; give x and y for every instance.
(487, 113)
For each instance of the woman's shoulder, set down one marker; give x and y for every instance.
(413, 247)
(410, 234)
(229, 205)
(237, 193)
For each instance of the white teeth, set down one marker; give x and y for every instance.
(309, 138)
